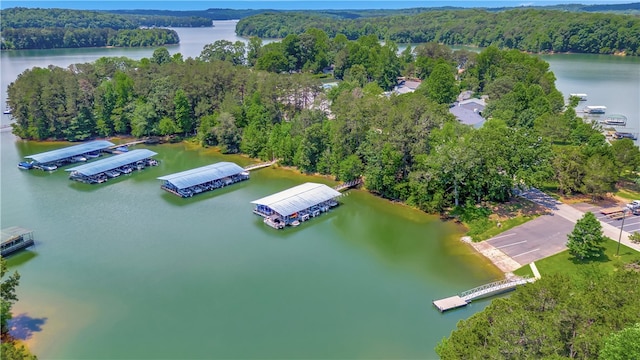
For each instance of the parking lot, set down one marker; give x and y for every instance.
(631, 222)
(534, 240)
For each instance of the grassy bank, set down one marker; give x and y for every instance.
(492, 219)
(566, 264)
(486, 228)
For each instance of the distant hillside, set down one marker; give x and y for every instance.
(628, 9)
(526, 29)
(210, 14)
(231, 14)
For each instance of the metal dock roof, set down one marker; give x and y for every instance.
(70, 151)
(201, 175)
(13, 232)
(113, 162)
(298, 198)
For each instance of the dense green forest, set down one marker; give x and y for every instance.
(56, 28)
(556, 317)
(523, 29)
(270, 104)
(19, 18)
(29, 38)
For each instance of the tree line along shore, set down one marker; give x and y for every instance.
(270, 104)
(593, 30)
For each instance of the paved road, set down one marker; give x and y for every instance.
(534, 240)
(547, 235)
(572, 214)
(631, 222)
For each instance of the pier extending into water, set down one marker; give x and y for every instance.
(260, 165)
(485, 290)
(348, 184)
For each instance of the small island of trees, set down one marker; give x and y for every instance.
(24, 28)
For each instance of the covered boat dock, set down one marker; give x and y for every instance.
(15, 239)
(205, 178)
(297, 204)
(51, 160)
(100, 171)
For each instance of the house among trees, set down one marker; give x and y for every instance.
(406, 86)
(469, 111)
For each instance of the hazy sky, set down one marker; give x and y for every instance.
(282, 5)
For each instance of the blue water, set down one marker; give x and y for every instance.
(286, 5)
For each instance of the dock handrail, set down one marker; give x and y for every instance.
(260, 165)
(493, 287)
(348, 184)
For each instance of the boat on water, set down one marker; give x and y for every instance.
(112, 173)
(49, 167)
(595, 109)
(582, 97)
(24, 165)
(7, 112)
(615, 119)
(624, 135)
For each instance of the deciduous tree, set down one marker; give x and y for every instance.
(585, 241)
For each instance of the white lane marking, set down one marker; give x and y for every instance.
(501, 236)
(515, 243)
(524, 253)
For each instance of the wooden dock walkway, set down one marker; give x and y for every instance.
(490, 289)
(130, 143)
(260, 165)
(348, 184)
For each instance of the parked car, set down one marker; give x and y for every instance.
(635, 204)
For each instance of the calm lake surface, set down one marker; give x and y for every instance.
(124, 270)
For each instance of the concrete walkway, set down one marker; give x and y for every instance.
(505, 263)
(534, 269)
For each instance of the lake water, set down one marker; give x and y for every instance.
(124, 270)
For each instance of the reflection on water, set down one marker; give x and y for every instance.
(130, 244)
(23, 326)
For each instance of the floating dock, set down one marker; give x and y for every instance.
(51, 160)
(295, 205)
(15, 239)
(100, 171)
(449, 303)
(595, 109)
(202, 179)
(615, 120)
(624, 135)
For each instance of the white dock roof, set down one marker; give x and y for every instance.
(298, 198)
(70, 151)
(113, 162)
(202, 174)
